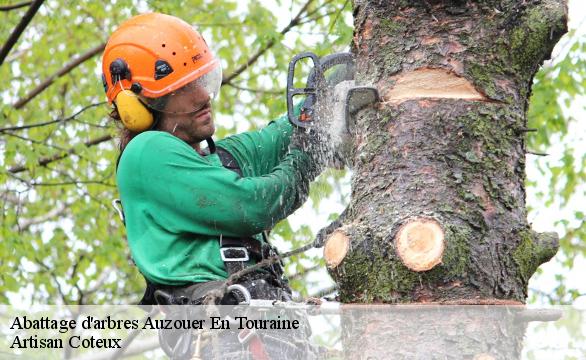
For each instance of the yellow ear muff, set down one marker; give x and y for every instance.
(134, 115)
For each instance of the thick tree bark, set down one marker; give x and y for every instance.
(438, 198)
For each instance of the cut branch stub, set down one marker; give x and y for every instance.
(336, 248)
(420, 244)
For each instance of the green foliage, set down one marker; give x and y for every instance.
(61, 241)
(556, 92)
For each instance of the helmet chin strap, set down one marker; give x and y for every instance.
(211, 145)
(156, 118)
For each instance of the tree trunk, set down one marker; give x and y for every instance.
(438, 198)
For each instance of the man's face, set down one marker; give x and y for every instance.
(188, 114)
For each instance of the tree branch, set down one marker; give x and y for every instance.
(76, 182)
(76, 284)
(99, 282)
(536, 153)
(27, 223)
(62, 120)
(45, 143)
(317, 9)
(338, 16)
(16, 55)
(301, 274)
(72, 181)
(28, 16)
(15, 6)
(54, 277)
(34, 141)
(272, 92)
(294, 22)
(64, 70)
(13, 200)
(309, 20)
(48, 160)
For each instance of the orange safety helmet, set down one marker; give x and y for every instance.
(153, 55)
(161, 53)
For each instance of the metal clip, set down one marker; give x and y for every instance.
(245, 335)
(117, 204)
(226, 258)
(237, 288)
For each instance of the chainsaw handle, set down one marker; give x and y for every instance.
(310, 89)
(328, 61)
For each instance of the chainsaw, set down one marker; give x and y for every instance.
(337, 88)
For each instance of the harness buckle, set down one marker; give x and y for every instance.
(230, 258)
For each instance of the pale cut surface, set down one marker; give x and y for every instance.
(483, 356)
(336, 248)
(431, 83)
(420, 244)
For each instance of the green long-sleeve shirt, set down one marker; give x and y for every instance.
(178, 202)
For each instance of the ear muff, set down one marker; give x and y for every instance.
(134, 114)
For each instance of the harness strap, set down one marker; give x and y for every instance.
(236, 252)
(228, 161)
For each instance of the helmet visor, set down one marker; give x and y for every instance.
(192, 97)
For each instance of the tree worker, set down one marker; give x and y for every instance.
(196, 215)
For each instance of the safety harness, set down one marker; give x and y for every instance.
(236, 252)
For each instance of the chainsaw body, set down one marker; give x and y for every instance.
(337, 89)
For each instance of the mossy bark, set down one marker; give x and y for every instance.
(458, 161)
